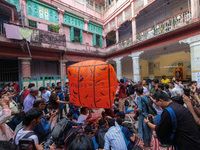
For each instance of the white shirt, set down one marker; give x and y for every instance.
(174, 92)
(46, 95)
(180, 88)
(158, 109)
(22, 133)
(81, 119)
(145, 90)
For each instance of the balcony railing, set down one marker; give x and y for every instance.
(174, 22)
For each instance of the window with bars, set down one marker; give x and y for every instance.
(97, 8)
(107, 4)
(97, 40)
(89, 3)
(76, 35)
(32, 23)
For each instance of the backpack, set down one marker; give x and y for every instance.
(150, 108)
(59, 128)
(130, 124)
(101, 135)
(170, 140)
(126, 141)
(71, 134)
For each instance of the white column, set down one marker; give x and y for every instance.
(119, 67)
(195, 9)
(136, 66)
(194, 43)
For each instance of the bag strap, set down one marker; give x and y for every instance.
(144, 101)
(174, 121)
(29, 135)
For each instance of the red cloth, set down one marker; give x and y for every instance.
(16, 86)
(26, 93)
(122, 91)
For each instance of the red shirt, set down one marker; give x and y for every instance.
(16, 86)
(122, 91)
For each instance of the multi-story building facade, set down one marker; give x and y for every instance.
(142, 39)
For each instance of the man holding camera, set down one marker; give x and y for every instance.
(186, 133)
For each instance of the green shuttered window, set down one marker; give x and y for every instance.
(43, 11)
(73, 21)
(97, 31)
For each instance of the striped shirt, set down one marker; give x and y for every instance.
(114, 139)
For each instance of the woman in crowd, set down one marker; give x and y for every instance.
(145, 133)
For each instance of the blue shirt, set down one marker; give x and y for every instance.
(43, 128)
(61, 96)
(128, 134)
(114, 139)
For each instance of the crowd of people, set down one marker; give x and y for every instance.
(43, 118)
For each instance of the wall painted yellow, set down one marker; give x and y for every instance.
(168, 60)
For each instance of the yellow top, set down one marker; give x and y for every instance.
(165, 81)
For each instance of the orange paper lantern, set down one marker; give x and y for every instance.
(92, 84)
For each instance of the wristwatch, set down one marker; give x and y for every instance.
(147, 122)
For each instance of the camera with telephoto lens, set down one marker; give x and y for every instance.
(150, 118)
(48, 143)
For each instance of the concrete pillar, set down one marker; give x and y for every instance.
(22, 7)
(133, 21)
(61, 12)
(136, 66)
(25, 66)
(86, 24)
(195, 9)
(194, 43)
(118, 67)
(117, 35)
(63, 71)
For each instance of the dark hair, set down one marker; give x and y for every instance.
(122, 80)
(83, 109)
(192, 82)
(111, 122)
(139, 90)
(70, 114)
(119, 121)
(178, 99)
(166, 86)
(67, 83)
(31, 115)
(53, 84)
(160, 85)
(163, 76)
(38, 101)
(81, 142)
(88, 129)
(172, 83)
(7, 145)
(41, 89)
(155, 81)
(102, 122)
(162, 95)
(58, 83)
(31, 85)
(58, 88)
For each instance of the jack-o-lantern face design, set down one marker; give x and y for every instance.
(92, 84)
